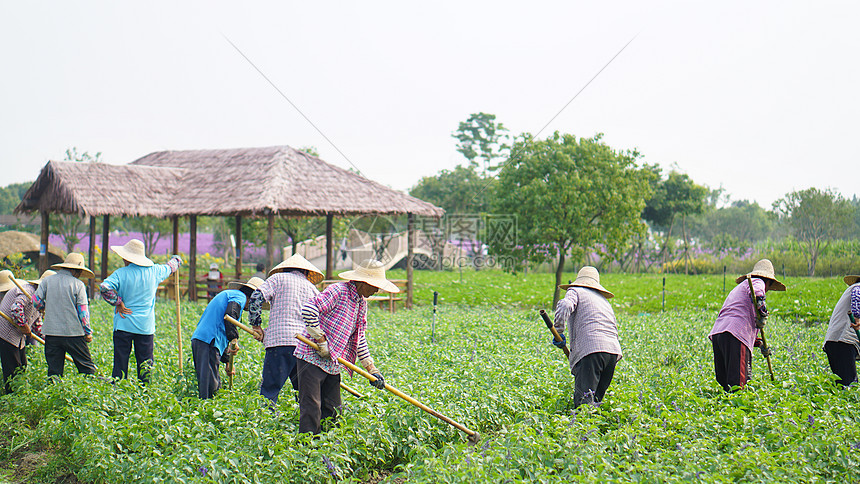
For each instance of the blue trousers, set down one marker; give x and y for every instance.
(278, 365)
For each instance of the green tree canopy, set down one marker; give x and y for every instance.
(482, 141)
(569, 195)
(458, 191)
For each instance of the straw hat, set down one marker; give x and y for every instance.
(372, 272)
(6, 280)
(851, 280)
(75, 260)
(296, 261)
(590, 278)
(254, 283)
(133, 252)
(764, 268)
(45, 274)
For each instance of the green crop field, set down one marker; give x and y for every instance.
(492, 369)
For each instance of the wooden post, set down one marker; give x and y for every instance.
(91, 256)
(410, 256)
(175, 247)
(43, 242)
(105, 245)
(329, 247)
(270, 242)
(238, 247)
(192, 258)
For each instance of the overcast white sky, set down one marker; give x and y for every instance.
(759, 97)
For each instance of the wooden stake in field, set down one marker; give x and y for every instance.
(764, 347)
(555, 335)
(178, 317)
(473, 436)
(248, 330)
(34, 336)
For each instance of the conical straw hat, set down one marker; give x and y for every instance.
(254, 283)
(764, 269)
(45, 274)
(372, 272)
(75, 260)
(6, 280)
(296, 261)
(590, 278)
(134, 252)
(851, 280)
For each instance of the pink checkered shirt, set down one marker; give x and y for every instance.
(287, 292)
(20, 308)
(737, 315)
(591, 323)
(343, 319)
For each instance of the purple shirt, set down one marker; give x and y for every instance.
(287, 292)
(737, 315)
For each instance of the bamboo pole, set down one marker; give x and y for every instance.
(473, 436)
(248, 330)
(178, 316)
(34, 336)
(764, 347)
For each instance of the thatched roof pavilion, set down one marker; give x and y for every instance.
(272, 181)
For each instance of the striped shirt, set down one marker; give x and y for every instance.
(592, 324)
(341, 314)
(19, 307)
(737, 315)
(286, 292)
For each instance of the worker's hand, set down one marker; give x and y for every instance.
(559, 344)
(88, 338)
(25, 330)
(233, 348)
(855, 324)
(765, 351)
(231, 370)
(760, 322)
(757, 343)
(323, 351)
(379, 382)
(122, 310)
(259, 333)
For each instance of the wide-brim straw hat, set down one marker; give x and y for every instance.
(590, 278)
(133, 251)
(75, 260)
(764, 268)
(296, 261)
(372, 272)
(45, 274)
(254, 283)
(6, 280)
(851, 280)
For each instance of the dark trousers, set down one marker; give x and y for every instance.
(592, 376)
(144, 345)
(732, 361)
(206, 360)
(319, 396)
(13, 360)
(842, 357)
(278, 365)
(56, 348)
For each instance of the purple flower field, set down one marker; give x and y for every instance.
(205, 243)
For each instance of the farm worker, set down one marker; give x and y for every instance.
(213, 334)
(337, 319)
(18, 320)
(260, 268)
(594, 346)
(214, 280)
(131, 289)
(840, 342)
(66, 324)
(289, 286)
(735, 333)
(5, 282)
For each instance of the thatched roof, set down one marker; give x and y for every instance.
(12, 242)
(246, 181)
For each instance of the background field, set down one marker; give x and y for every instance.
(491, 368)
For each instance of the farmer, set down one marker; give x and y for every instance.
(260, 268)
(131, 289)
(735, 333)
(214, 280)
(337, 320)
(594, 346)
(213, 334)
(840, 342)
(66, 324)
(18, 320)
(289, 286)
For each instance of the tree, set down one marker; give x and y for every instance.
(459, 191)
(68, 226)
(482, 140)
(11, 195)
(735, 227)
(151, 230)
(569, 195)
(816, 217)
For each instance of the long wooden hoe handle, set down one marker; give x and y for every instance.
(473, 436)
(555, 334)
(761, 330)
(178, 317)
(34, 336)
(248, 330)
